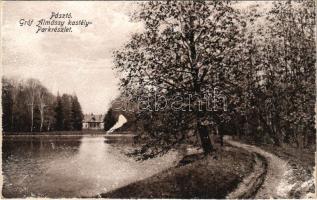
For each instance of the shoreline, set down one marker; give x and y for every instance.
(202, 177)
(67, 135)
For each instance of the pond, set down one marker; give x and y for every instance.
(72, 166)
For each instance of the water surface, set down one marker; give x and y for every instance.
(72, 166)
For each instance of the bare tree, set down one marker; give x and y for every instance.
(32, 87)
(42, 96)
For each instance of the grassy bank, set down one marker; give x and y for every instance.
(204, 178)
(303, 158)
(295, 156)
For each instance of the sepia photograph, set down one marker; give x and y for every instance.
(195, 99)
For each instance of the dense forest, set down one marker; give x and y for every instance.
(28, 106)
(262, 62)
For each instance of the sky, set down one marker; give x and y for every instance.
(79, 62)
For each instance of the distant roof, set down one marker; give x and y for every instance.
(93, 118)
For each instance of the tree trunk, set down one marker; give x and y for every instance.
(219, 135)
(205, 139)
(42, 120)
(42, 117)
(32, 117)
(221, 139)
(11, 128)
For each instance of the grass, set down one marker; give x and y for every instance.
(303, 157)
(208, 177)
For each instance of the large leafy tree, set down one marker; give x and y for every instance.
(188, 49)
(276, 90)
(290, 70)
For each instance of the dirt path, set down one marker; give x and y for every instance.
(275, 184)
(251, 184)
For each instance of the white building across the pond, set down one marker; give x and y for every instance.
(92, 121)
